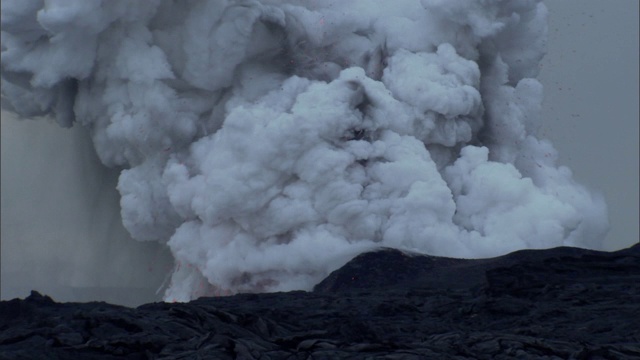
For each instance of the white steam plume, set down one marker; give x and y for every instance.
(267, 142)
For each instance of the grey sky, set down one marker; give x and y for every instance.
(61, 228)
(591, 102)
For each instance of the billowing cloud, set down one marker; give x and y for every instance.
(267, 142)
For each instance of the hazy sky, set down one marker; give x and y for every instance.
(591, 82)
(591, 115)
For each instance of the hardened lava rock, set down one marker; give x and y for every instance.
(562, 303)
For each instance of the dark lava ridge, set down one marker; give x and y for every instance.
(562, 303)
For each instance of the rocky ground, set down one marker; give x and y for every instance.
(561, 303)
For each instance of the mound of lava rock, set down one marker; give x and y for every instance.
(562, 303)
